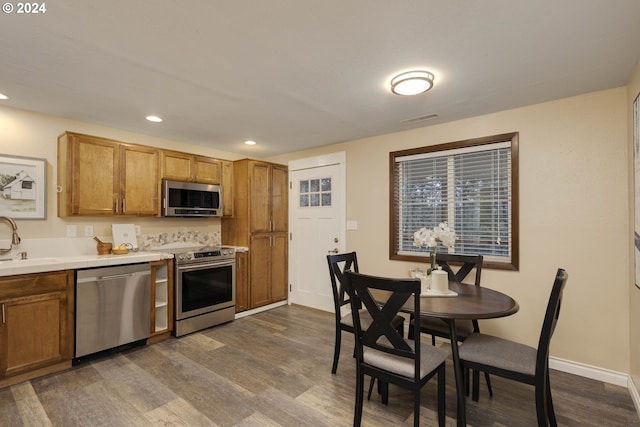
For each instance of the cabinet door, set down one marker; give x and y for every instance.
(260, 196)
(260, 270)
(140, 182)
(31, 333)
(279, 277)
(242, 282)
(177, 166)
(93, 178)
(226, 181)
(207, 170)
(36, 329)
(279, 198)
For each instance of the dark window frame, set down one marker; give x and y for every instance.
(513, 138)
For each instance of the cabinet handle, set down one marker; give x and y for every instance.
(3, 318)
(124, 206)
(116, 206)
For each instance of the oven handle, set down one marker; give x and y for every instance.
(196, 266)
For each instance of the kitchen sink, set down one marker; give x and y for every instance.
(30, 261)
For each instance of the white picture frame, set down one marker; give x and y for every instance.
(23, 187)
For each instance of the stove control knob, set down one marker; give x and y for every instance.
(180, 257)
(189, 256)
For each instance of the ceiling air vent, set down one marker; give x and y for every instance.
(419, 119)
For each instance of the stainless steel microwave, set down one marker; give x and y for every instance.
(191, 199)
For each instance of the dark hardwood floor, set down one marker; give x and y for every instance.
(274, 369)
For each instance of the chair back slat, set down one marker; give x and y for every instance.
(467, 264)
(381, 335)
(338, 264)
(550, 320)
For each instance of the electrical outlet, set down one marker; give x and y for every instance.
(72, 231)
(137, 228)
(88, 230)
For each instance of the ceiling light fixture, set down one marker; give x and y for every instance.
(3, 96)
(154, 119)
(250, 142)
(412, 83)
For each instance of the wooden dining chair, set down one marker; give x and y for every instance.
(517, 361)
(382, 352)
(338, 264)
(437, 327)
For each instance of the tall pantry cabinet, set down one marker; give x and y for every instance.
(260, 222)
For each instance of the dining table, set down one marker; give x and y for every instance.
(471, 302)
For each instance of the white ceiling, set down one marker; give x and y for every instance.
(295, 74)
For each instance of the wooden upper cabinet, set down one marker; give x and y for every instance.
(280, 198)
(260, 194)
(102, 177)
(188, 167)
(226, 181)
(140, 180)
(268, 197)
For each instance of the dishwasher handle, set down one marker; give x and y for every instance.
(113, 276)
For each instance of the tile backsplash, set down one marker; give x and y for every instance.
(184, 235)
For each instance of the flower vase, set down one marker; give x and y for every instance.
(432, 259)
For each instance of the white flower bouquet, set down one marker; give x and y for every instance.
(429, 238)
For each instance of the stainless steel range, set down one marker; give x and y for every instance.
(205, 288)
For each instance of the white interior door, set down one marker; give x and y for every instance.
(317, 224)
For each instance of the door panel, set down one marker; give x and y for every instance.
(317, 215)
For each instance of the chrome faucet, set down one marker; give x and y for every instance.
(15, 239)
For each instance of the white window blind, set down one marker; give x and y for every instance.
(469, 187)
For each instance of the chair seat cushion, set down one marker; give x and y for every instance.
(500, 353)
(430, 358)
(365, 320)
(437, 327)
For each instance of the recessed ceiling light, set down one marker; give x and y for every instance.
(250, 142)
(154, 119)
(412, 83)
(3, 96)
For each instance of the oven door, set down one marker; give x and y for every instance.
(206, 287)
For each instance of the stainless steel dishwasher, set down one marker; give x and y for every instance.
(112, 307)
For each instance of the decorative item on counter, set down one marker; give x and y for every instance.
(122, 249)
(439, 281)
(427, 237)
(125, 234)
(102, 247)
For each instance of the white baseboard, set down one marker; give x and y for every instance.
(260, 309)
(635, 396)
(588, 371)
(600, 374)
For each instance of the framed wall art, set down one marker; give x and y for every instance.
(636, 188)
(23, 187)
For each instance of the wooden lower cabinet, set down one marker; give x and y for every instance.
(242, 282)
(268, 268)
(36, 329)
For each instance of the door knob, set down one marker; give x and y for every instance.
(335, 251)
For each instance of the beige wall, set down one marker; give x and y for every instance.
(35, 135)
(633, 89)
(574, 208)
(574, 211)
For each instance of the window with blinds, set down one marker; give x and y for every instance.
(471, 184)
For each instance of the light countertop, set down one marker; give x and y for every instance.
(44, 264)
